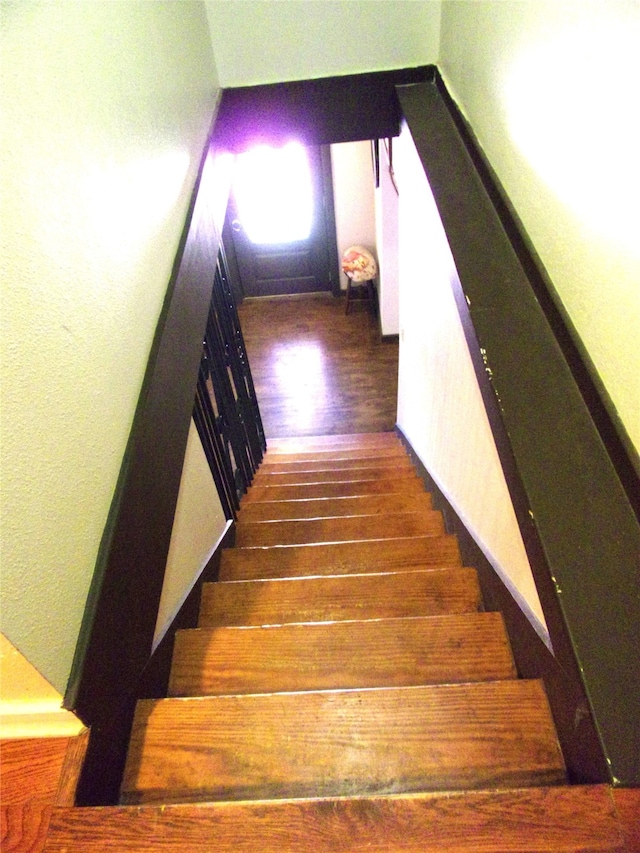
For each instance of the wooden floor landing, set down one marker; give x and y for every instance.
(318, 371)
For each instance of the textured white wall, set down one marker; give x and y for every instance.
(269, 41)
(198, 525)
(440, 407)
(106, 107)
(387, 206)
(353, 196)
(551, 91)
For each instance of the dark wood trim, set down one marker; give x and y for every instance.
(118, 626)
(316, 112)
(103, 766)
(615, 437)
(232, 262)
(390, 339)
(330, 218)
(577, 732)
(580, 514)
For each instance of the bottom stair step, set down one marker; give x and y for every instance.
(342, 743)
(533, 820)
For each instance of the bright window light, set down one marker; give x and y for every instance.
(274, 193)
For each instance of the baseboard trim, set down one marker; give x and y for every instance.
(577, 732)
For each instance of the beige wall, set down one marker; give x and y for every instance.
(551, 90)
(257, 41)
(29, 706)
(106, 107)
(198, 526)
(440, 408)
(353, 194)
(387, 206)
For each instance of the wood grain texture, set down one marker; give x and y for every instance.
(273, 457)
(409, 484)
(339, 558)
(627, 805)
(71, 769)
(342, 743)
(532, 820)
(328, 599)
(395, 463)
(30, 769)
(363, 472)
(347, 529)
(24, 827)
(318, 372)
(30, 777)
(322, 443)
(327, 507)
(363, 393)
(340, 655)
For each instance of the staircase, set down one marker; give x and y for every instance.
(344, 690)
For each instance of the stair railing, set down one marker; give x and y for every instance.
(225, 411)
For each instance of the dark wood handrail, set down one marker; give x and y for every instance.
(578, 524)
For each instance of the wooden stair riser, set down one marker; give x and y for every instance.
(385, 741)
(393, 451)
(341, 655)
(346, 529)
(331, 476)
(306, 444)
(564, 819)
(334, 507)
(357, 633)
(339, 466)
(405, 485)
(421, 552)
(329, 599)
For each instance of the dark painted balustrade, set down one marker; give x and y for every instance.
(226, 410)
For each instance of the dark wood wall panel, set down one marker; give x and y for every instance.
(316, 112)
(117, 632)
(588, 533)
(572, 716)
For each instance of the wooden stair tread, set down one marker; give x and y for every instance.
(342, 743)
(341, 655)
(335, 475)
(563, 819)
(393, 463)
(304, 444)
(332, 507)
(320, 454)
(404, 485)
(335, 597)
(340, 529)
(339, 558)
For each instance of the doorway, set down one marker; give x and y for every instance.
(280, 227)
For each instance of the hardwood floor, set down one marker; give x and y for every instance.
(318, 371)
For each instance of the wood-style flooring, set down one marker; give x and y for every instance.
(318, 371)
